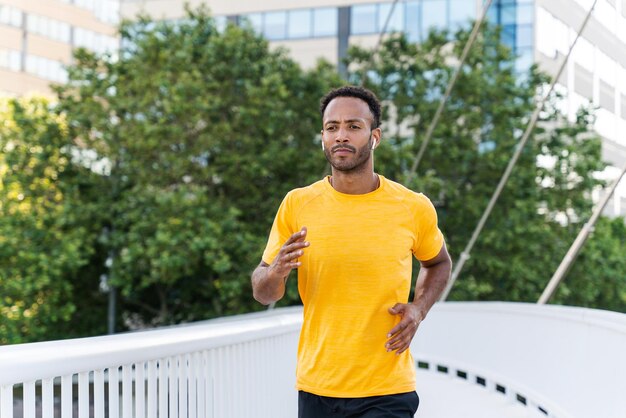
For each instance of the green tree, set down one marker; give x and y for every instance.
(203, 132)
(546, 199)
(43, 236)
(597, 277)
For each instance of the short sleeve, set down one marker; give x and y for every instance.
(282, 229)
(429, 238)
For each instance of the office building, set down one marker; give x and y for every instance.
(37, 38)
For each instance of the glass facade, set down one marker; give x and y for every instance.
(11, 16)
(414, 17)
(46, 68)
(299, 24)
(294, 24)
(50, 28)
(517, 18)
(325, 22)
(10, 59)
(94, 41)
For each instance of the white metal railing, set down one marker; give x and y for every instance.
(556, 361)
(238, 367)
(562, 361)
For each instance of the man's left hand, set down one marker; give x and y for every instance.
(401, 335)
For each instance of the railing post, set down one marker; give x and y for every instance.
(114, 392)
(47, 395)
(83, 395)
(66, 396)
(152, 389)
(29, 399)
(98, 392)
(6, 401)
(140, 390)
(127, 391)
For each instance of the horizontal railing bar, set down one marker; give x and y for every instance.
(613, 321)
(23, 362)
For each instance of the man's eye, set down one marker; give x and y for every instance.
(355, 127)
(330, 128)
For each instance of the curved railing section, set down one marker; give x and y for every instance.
(557, 361)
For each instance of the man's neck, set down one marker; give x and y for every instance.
(354, 183)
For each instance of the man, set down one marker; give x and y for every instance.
(352, 236)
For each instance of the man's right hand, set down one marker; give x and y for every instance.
(287, 258)
(268, 281)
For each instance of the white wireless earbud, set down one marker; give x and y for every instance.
(323, 148)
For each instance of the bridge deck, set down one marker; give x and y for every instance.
(443, 396)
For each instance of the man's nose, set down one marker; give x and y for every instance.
(342, 135)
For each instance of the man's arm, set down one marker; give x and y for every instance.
(268, 280)
(431, 281)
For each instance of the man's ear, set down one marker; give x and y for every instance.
(376, 134)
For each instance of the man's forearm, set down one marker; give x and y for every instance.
(431, 282)
(266, 287)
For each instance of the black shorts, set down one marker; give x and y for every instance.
(401, 405)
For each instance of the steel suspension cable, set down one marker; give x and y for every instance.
(529, 128)
(378, 43)
(580, 240)
(446, 95)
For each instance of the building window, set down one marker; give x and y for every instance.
(255, 20)
(524, 37)
(412, 21)
(517, 20)
(104, 10)
(525, 58)
(461, 13)
(11, 16)
(46, 68)
(583, 81)
(396, 21)
(607, 96)
(299, 24)
(325, 22)
(363, 19)
(294, 24)
(435, 14)
(50, 28)
(525, 14)
(96, 42)
(275, 25)
(509, 35)
(10, 59)
(508, 15)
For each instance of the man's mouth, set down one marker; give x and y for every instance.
(342, 150)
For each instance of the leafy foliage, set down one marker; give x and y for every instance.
(203, 132)
(42, 232)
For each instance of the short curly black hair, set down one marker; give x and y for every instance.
(358, 92)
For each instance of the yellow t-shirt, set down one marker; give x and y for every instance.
(357, 266)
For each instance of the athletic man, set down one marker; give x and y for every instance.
(352, 237)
